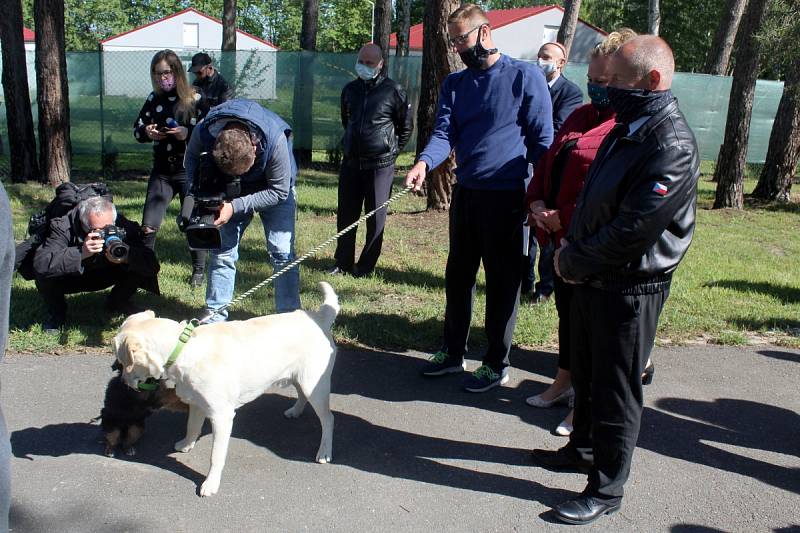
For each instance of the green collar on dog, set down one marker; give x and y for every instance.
(152, 384)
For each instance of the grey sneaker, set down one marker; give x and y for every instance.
(441, 363)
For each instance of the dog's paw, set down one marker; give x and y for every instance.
(209, 487)
(293, 412)
(130, 451)
(184, 445)
(324, 458)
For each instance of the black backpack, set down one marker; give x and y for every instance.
(68, 195)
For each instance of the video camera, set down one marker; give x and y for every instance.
(210, 189)
(113, 241)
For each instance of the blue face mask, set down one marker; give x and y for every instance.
(598, 94)
(366, 73)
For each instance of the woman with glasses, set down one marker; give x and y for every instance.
(167, 119)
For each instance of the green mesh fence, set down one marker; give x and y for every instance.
(107, 90)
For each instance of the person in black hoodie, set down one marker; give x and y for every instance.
(377, 122)
(209, 81)
(167, 119)
(74, 257)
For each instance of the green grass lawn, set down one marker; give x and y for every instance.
(739, 282)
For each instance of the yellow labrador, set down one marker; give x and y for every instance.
(227, 364)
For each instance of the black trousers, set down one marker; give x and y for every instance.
(161, 189)
(485, 226)
(357, 188)
(563, 296)
(53, 290)
(612, 337)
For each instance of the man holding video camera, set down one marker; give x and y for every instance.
(89, 249)
(250, 170)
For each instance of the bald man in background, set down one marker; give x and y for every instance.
(566, 96)
(377, 125)
(632, 225)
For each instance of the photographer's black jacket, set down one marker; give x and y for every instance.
(160, 106)
(215, 89)
(634, 219)
(377, 122)
(60, 252)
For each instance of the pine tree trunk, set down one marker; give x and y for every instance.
(383, 28)
(229, 41)
(438, 60)
(303, 101)
(21, 139)
(403, 27)
(53, 92)
(719, 54)
(566, 32)
(730, 170)
(653, 17)
(775, 182)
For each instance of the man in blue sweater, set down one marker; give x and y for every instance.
(497, 115)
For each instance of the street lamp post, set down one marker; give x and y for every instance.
(372, 22)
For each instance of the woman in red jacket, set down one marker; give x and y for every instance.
(554, 189)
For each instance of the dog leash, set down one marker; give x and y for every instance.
(303, 257)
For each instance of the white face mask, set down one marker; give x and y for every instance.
(548, 67)
(367, 73)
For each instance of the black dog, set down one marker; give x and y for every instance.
(125, 410)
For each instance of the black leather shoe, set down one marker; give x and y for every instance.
(585, 509)
(53, 324)
(337, 271)
(565, 459)
(540, 298)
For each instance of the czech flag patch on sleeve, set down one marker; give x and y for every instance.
(660, 188)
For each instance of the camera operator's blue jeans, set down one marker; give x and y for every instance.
(278, 224)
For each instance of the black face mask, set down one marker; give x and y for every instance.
(630, 104)
(476, 56)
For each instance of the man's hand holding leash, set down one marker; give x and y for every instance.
(416, 176)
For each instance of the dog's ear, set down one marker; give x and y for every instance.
(138, 317)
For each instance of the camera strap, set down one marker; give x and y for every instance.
(305, 256)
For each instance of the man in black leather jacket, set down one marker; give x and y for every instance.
(632, 225)
(378, 123)
(74, 258)
(209, 81)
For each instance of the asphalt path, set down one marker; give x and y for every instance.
(719, 450)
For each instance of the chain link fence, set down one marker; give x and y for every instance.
(108, 88)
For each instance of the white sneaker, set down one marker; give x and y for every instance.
(537, 401)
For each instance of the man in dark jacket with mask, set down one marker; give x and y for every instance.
(377, 122)
(209, 81)
(498, 117)
(632, 225)
(78, 255)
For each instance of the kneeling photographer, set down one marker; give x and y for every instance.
(250, 170)
(89, 249)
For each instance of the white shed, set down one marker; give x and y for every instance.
(521, 32)
(126, 57)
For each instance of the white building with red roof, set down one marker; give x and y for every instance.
(521, 32)
(30, 39)
(126, 57)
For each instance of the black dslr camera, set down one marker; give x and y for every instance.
(113, 241)
(210, 189)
